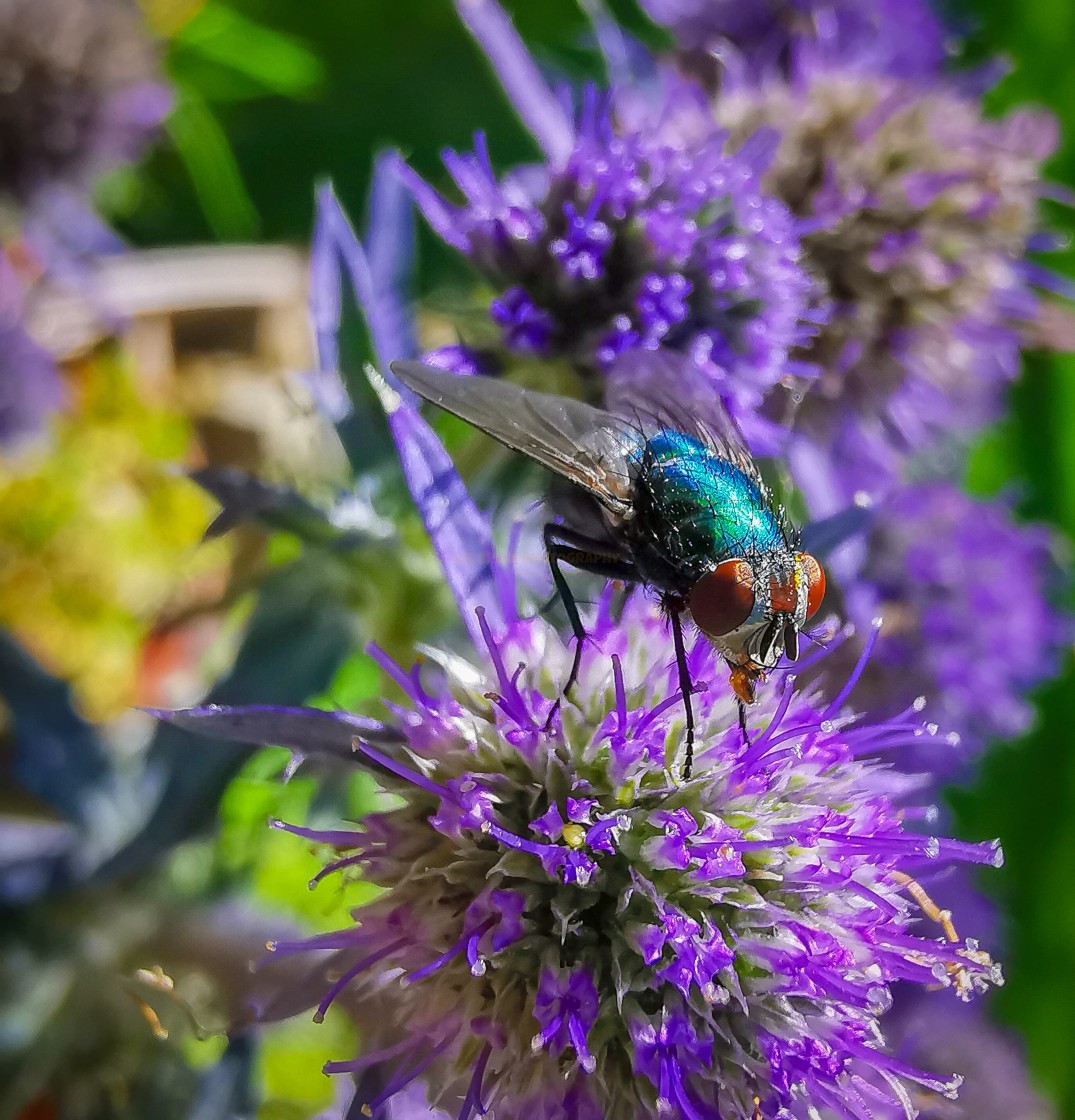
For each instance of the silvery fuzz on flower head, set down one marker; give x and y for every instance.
(930, 289)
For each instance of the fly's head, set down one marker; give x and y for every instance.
(753, 609)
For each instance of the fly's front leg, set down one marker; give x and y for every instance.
(743, 679)
(686, 686)
(563, 545)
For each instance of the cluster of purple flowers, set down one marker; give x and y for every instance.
(648, 232)
(80, 93)
(942, 569)
(748, 42)
(920, 215)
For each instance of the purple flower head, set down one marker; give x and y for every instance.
(964, 594)
(647, 233)
(565, 930)
(920, 212)
(30, 386)
(768, 38)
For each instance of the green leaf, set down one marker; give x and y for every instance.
(292, 1055)
(204, 149)
(276, 62)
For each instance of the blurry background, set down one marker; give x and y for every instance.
(114, 601)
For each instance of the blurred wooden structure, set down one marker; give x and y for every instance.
(221, 331)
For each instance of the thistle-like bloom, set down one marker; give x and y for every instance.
(748, 42)
(911, 212)
(644, 232)
(80, 92)
(566, 931)
(964, 593)
(921, 213)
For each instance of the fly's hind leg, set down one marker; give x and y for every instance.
(565, 546)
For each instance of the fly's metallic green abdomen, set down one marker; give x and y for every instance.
(694, 509)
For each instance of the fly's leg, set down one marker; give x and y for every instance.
(686, 687)
(563, 545)
(743, 679)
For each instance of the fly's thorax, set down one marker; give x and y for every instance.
(692, 509)
(752, 608)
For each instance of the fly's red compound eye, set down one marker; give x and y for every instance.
(723, 598)
(814, 575)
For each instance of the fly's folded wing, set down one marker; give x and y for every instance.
(586, 445)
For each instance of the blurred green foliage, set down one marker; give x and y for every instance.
(380, 73)
(275, 95)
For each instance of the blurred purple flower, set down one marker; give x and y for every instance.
(564, 930)
(947, 1036)
(964, 593)
(79, 93)
(919, 212)
(30, 385)
(749, 42)
(641, 231)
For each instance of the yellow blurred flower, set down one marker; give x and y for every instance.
(100, 533)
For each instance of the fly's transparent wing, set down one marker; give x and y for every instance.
(665, 389)
(585, 445)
